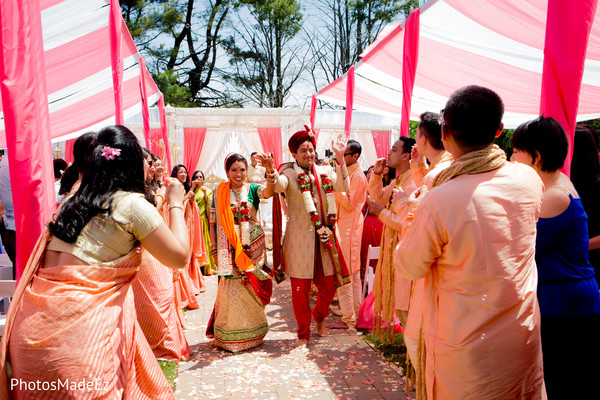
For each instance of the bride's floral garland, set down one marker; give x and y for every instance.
(241, 216)
(310, 204)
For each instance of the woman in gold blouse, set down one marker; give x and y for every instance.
(73, 317)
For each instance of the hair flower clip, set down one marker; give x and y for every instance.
(110, 153)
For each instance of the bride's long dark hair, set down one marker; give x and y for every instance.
(102, 177)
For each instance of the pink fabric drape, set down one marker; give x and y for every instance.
(410, 58)
(116, 27)
(313, 115)
(165, 132)
(69, 151)
(349, 100)
(155, 145)
(193, 140)
(382, 143)
(270, 138)
(26, 121)
(567, 34)
(144, 97)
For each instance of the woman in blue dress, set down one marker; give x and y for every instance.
(568, 293)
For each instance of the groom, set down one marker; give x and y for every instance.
(310, 252)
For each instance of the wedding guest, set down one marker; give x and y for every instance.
(350, 226)
(72, 177)
(203, 198)
(390, 292)
(157, 314)
(585, 175)
(190, 281)
(72, 316)
(567, 292)
(473, 240)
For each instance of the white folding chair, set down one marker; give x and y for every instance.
(7, 289)
(372, 254)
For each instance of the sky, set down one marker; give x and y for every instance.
(313, 23)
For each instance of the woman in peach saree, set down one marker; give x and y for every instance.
(71, 330)
(190, 282)
(153, 291)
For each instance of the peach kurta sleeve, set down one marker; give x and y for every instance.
(376, 190)
(395, 218)
(418, 171)
(341, 179)
(354, 198)
(421, 246)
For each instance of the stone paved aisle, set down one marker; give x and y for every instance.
(340, 366)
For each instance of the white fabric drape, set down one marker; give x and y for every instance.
(369, 155)
(250, 141)
(213, 146)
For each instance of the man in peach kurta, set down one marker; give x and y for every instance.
(391, 291)
(428, 144)
(350, 227)
(473, 240)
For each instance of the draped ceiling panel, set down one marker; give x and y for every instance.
(497, 44)
(79, 79)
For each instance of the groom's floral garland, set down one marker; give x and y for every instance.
(310, 204)
(241, 216)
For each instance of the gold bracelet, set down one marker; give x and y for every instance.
(175, 205)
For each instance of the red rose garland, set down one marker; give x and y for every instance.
(310, 204)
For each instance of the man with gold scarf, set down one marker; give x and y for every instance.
(473, 240)
(387, 290)
(428, 146)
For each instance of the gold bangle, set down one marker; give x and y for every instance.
(175, 205)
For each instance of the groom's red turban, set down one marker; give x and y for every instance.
(300, 137)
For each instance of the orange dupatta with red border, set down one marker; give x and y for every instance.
(243, 262)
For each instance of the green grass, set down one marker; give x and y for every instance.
(393, 352)
(169, 368)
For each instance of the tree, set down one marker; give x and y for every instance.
(190, 60)
(265, 64)
(348, 28)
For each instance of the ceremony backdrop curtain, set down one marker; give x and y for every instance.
(193, 140)
(26, 121)
(368, 155)
(325, 139)
(270, 139)
(381, 139)
(208, 159)
(567, 33)
(410, 60)
(156, 146)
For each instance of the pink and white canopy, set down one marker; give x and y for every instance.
(497, 44)
(77, 50)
